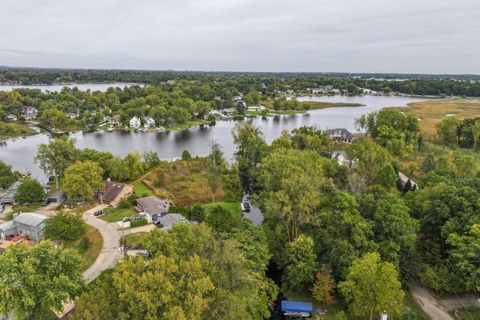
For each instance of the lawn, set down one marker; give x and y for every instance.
(140, 190)
(89, 246)
(230, 206)
(8, 130)
(432, 112)
(116, 214)
(183, 182)
(134, 240)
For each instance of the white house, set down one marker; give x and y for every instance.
(148, 122)
(135, 123)
(341, 157)
(11, 117)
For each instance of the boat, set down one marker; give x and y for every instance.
(110, 129)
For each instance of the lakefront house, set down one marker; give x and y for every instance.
(135, 123)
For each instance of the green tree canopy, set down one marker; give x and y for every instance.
(34, 282)
(372, 287)
(29, 191)
(65, 226)
(82, 179)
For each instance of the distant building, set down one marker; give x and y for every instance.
(341, 157)
(11, 117)
(404, 180)
(28, 224)
(7, 195)
(30, 113)
(152, 207)
(149, 122)
(72, 115)
(340, 134)
(112, 121)
(135, 123)
(114, 192)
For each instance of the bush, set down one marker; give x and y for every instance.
(124, 204)
(138, 223)
(85, 244)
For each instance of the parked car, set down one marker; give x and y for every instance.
(98, 213)
(246, 206)
(126, 219)
(45, 203)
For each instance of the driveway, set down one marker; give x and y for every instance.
(145, 228)
(110, 253)
(433, 308)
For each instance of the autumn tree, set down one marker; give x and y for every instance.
(323, 286)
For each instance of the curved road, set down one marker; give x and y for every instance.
(433, 308)
(110, 253)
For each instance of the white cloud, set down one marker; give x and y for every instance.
(258, 35)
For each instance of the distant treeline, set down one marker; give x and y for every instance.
(448, 85)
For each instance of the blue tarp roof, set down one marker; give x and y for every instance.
(297, 306)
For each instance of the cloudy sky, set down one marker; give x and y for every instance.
(424, 36)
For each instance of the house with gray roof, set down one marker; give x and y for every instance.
(152, 207)
(29, 224)
(167, 221)
(7, 196)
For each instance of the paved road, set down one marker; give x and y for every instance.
(110, 252)
(434, 309)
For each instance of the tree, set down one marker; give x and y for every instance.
(55, 156)
(447, 131)
(463, 258)
(300, 263)
(221, 219)
(37, 280)
(83, 179)
(7, 175)
(323, 286)
(118, 169)
(216, 167)
(65, 226)
(29, 191)
(151, 159)
(186, 155)
(372, 287)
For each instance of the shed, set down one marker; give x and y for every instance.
(297, 308)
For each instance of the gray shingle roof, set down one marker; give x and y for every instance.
(30, 219)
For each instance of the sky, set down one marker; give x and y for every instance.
(402, 36)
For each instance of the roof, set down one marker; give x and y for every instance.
(296, 306)
(339, 132)
(30, 219)
(170, 219)
(7, 226)
(7, 195)
(153, 205)
(112, 190)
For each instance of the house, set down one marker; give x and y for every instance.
(112, 121)
(341, 157)
(296, 309)
(152, 207)
(340, 134)
(11, 117)
(404, 180)
(115, 191)
(30, 113)
(135, 123)
(72, 115)
(148, 122)
(7, 195)
(167, 221)
(28, 224)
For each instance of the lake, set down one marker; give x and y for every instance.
(21, 151)
(56, 88)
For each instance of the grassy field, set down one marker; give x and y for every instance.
(134, 240)
(183, 182)
(230, 206)
(186, 125)
(115, 214)
(89, 249)
(140, 189)
(432, 112)
(12, 129)
(314, 104)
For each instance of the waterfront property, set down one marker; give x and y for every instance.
(114, 192)
(167, 221)
(340, 134)
(153, 207)
(7, 196)
(135, 123)
(27, 224)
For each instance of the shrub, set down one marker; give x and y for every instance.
(186, 155)
(138, 223)
(124, 204)
(85, 244)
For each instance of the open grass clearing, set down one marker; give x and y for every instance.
(89, 245)
(117, 214)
